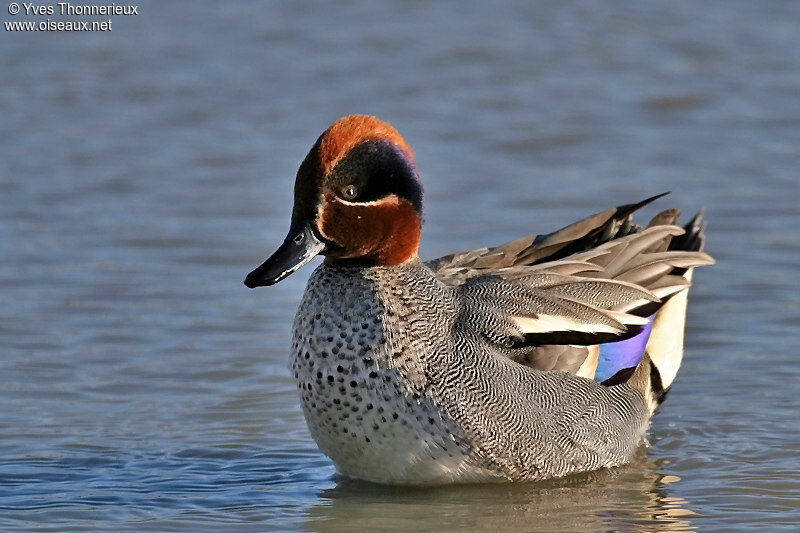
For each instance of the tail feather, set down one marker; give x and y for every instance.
(664, 351)
(660, 259)
(665, 347)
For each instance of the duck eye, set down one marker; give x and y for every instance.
(350, 192)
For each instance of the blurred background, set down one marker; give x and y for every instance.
(144, 171)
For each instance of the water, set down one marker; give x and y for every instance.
(145, 171)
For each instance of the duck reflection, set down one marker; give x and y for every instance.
(626, 498)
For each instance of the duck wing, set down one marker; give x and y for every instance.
(548, 301)
(583, 235)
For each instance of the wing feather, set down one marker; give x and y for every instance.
(547, 301)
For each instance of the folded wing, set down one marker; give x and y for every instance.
(549, 301)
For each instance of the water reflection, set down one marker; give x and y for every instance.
(631, 497)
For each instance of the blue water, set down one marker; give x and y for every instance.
(145, 171)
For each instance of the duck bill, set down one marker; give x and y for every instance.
(300, 246)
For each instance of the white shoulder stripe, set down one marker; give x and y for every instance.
(551, 323)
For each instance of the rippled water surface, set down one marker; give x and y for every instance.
(145, 171)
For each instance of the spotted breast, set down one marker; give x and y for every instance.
(361, 357)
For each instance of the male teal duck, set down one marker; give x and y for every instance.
(536, 359)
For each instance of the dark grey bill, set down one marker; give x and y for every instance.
(299, 247)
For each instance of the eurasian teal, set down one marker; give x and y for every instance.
(535, 359)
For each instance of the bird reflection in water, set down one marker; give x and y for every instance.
(634, 496)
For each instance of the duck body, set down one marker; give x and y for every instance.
(480, 366)
(394, 391)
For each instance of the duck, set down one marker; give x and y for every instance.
(535, 359)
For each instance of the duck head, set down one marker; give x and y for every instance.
(357, 200)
